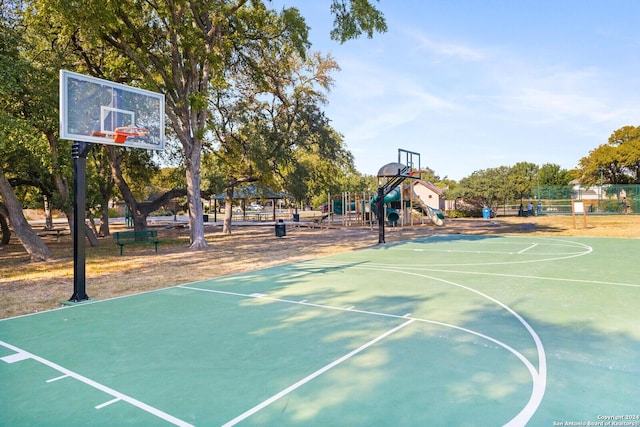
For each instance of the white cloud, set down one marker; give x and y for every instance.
(446, 49)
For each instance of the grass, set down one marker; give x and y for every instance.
(28, 287)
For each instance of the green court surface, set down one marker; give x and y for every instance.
(443, 331)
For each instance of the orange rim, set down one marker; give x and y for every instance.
(122, 133)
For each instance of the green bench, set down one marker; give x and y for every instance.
(136, 238)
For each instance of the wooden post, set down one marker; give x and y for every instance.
(578, 208)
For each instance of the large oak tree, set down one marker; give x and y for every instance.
(181, 48)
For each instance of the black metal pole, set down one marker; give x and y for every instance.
(380, 208)
(79, 152)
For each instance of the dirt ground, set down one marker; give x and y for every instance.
(27, 287)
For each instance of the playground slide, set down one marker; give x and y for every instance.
(434, 215)
(394, 195)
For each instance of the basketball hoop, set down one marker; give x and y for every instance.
(121, 134)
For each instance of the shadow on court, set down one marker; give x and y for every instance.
(385, 336)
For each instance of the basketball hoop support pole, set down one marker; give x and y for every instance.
(79, 151)
(380, 214)
(383, 190)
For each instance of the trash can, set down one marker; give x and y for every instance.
(281, 229)
(205, 218)
(296, 217)
(486, 213)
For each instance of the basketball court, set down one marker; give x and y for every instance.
(447, 330)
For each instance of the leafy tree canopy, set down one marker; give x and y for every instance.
(616, 162)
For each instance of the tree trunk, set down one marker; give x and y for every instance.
(29, 239)
(91, 236)
(48, 214)
(104, 218)
(62, 186)
(228, 211)
(139, 220)
(194, 198)
(5, 237)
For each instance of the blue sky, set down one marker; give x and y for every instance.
(473, 84)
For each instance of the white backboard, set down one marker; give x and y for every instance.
(103, 112)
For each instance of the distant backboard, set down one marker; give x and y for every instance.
(104, 112)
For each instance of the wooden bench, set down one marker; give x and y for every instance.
(136, 237)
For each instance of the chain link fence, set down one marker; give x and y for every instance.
(605, 199)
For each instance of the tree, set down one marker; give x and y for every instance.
(627, 142)
(106, 186)
(269, 111)
(181, 48)
(140, 170)
(316, 171)
(5, 232)
(355, 17)
(522, 179)
(29, 96)
(617, 161)
(29, 239)
(552, 174)
(16, 139)
(553, 182)
(485, 188)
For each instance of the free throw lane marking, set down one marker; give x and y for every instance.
(57, 378)
(117, 399)
(119, 396)
(16, 357)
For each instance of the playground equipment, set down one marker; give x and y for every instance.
(394, 174)
(396, 202)
(421, 196)
(404, 205)
(395, 195)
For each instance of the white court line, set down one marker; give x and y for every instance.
(479, 273)
(117, 399)
(16, 357)
(526, 249)
(538, 377)
(459, 251)
(551, 256)
(310, 377)
(138, 404)
(61, 377)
